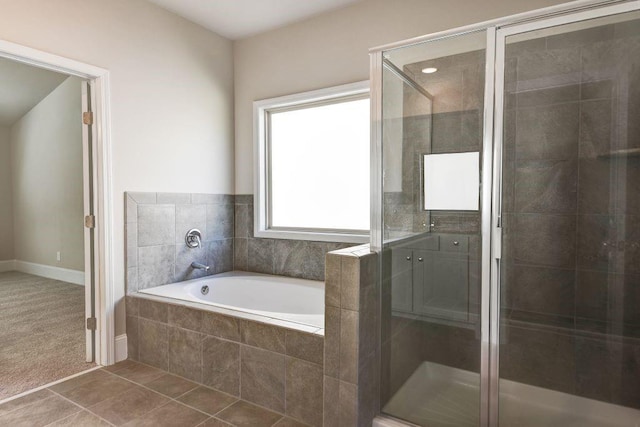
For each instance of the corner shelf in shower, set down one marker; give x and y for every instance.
(632, 152)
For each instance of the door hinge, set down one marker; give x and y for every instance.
(92, 323)
(87, 118)
(90, 221)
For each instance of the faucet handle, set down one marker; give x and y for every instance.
(193, 239)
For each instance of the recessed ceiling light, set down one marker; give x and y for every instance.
(429, 70)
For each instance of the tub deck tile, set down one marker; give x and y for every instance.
(261, 335)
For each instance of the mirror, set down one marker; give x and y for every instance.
(452, 181)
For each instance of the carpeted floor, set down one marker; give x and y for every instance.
(42, 335)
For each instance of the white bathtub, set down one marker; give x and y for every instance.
(281, 298)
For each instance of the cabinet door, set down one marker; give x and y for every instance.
(401, 280)
(441, 284)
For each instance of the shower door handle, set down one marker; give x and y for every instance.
(497, 243)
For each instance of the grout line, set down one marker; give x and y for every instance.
(57, 419)
(228, 406)
(158, 393)
(280, 419)
(81, 407)
(237, 399)
(53, 395)
(185, 393)
(240, 369)
(241, 343)
(46, 386)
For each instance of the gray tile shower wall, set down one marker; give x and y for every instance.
(571, 209)
(156, 224)
(293, 258)
(571, 212)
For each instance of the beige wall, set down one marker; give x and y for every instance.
(46, 161)
(332, 49)
(171, 94)
(6, 210)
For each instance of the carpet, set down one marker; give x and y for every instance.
(42, 334)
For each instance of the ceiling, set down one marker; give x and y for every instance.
(237, 19)
(22, 87)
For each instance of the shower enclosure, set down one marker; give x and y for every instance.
(508, 218)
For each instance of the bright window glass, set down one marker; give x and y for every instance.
(319, 166)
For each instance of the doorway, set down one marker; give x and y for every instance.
(56, 264)
(46, 279)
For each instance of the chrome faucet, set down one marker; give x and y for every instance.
(198, 266)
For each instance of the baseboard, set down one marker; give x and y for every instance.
(50, 272)
(8, 265)
(121, 348)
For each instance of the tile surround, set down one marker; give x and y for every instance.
(286, 371)
(351, 348)
(245, 359)
(283, 257)
(156, 223)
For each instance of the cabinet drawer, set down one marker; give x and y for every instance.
(454, 243)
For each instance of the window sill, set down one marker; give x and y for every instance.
(315, 236)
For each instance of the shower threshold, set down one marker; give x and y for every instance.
(436, 395)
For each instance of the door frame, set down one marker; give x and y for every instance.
(103, 237)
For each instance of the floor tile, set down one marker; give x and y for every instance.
(120, 365)
(214, 422)
(137, 372)
(79, 380)
(171, 385)
(80, 419)
(97, 387)
(39, 413)
(172, 414)
(289, 422)
(14, 404)
(244, 414)
(207, 400)
(131, 404)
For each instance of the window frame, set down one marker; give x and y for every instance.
(262, 162)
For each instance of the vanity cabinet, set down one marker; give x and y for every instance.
(430, 277)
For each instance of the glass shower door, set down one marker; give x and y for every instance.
(432, 133)
(569, 345)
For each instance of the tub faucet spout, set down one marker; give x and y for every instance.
(198, 266)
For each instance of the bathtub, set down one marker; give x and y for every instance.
(297, 302)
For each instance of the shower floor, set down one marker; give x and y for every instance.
(437, 396)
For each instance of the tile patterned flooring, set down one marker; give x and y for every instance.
(133, 394)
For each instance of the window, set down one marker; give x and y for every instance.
(312, 165)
